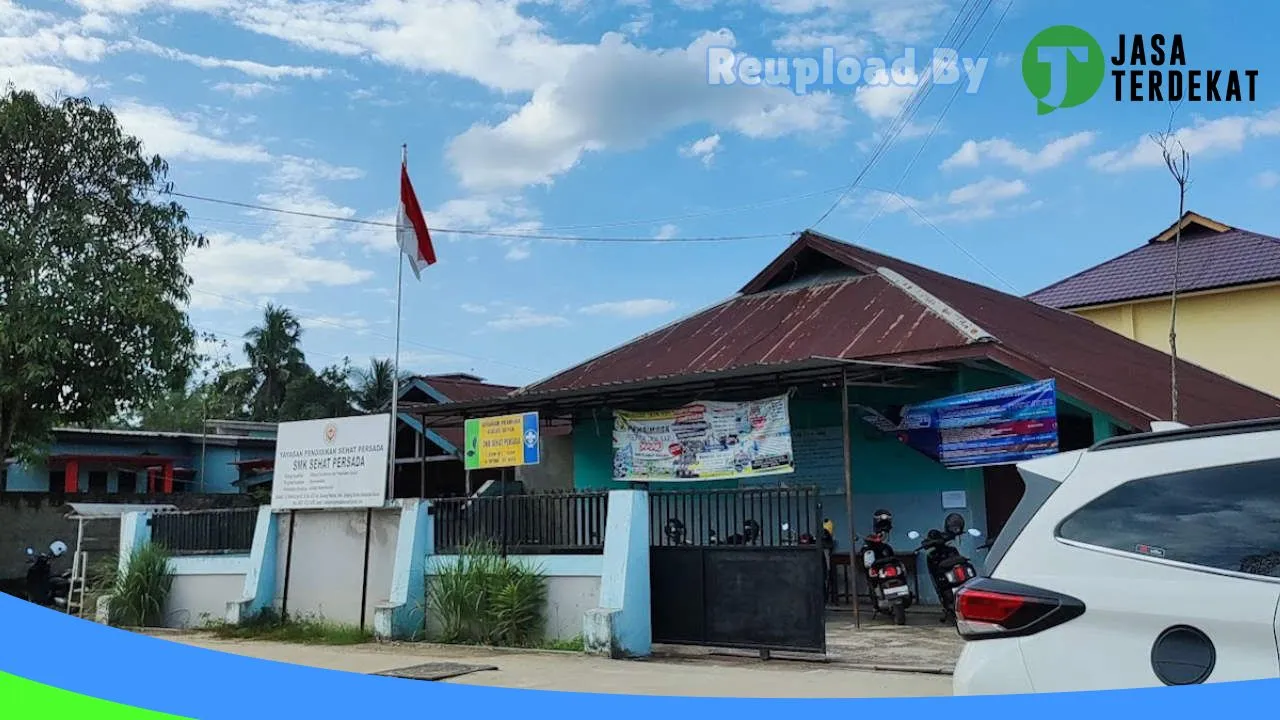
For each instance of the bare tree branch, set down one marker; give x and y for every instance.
(1178, 162)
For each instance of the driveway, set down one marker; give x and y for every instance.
(701, 677)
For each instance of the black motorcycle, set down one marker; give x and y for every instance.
(886, 574)
(948, 568)
(44, 587)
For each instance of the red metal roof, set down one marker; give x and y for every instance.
(872, 314)
(465, 388)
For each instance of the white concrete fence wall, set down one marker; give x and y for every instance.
(311, 564)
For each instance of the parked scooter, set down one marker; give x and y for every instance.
(948, 568)
(750, 532)
(886, 574)
(43, 587)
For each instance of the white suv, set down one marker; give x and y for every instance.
(1146, 560)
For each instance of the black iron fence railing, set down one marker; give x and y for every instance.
(528, 524)
(205, 532)
(766, 517)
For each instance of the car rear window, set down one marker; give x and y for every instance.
(1038, 489)
(1225, 517)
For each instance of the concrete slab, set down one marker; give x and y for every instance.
(923, 644)
(702, 677)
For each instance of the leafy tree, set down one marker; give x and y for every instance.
(311, 395)
(374, 386)
(92, 285)
(275, 359)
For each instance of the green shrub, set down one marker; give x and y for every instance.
(140, 593)
(487, 599)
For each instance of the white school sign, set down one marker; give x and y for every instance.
(331, 463)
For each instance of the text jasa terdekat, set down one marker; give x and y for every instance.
(1154, 69)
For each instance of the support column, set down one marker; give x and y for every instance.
(403, 616)
(168, 478)
(260, 578)
(1102, 427)
(620, 627)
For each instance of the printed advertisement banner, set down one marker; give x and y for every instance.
(331, 463)
(502, 442)
(704, 441)
(991, 427)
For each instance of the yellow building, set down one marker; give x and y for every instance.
(1228, 298)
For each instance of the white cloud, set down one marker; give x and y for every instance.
(639, 25)
(972, 153)
(180, 137)
(703, 149)
(1267, 179)
(523, 318)
(880, 99)
(346, 323)
(630, 308)
(239, 267)
(1220, 136)
(890, 23)
(617, 95)
(824, 31)
(473, 308)
(248, 67)
(666, 232)
(244, 90)
(44, 80)
(981, 200)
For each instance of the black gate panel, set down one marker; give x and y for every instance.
(676, 589)
(765, 598)
(713, 584)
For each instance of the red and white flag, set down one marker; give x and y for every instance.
(411, 228)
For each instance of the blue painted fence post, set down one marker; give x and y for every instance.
(260, 577)
(403, 616)
(620, 626)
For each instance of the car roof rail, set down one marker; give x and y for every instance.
(1237, 427)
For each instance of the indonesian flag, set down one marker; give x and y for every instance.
(411, 228)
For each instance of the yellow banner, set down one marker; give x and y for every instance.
(502, 441)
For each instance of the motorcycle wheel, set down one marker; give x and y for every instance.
(899, 615)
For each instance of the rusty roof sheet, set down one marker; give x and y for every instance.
(885, 309)
(463, 389)
(853, 318)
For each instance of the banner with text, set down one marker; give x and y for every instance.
(502, 442)
(703, 441)
(331, 463)
(991, 427)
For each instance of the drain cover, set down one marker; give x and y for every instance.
(435, 671)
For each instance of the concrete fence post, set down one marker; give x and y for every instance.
(620, 627)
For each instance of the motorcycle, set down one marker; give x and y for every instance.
(886, 574)
(750, 532)
(43, 587)
(948, 568)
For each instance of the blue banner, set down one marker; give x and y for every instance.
(991, 427)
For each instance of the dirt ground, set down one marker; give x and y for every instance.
(706, 676)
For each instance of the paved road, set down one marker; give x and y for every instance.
(705, 677)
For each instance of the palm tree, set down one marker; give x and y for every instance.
(373, 385)
(275, 355)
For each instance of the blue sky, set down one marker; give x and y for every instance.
(569, 117)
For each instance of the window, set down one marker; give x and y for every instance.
(127, 482)
(57, 480)
(97, 482)
(1225, 517)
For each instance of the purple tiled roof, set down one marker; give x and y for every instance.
(1207, 260)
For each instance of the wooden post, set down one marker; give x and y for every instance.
(848, 494)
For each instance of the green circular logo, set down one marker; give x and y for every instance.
(1063, 67)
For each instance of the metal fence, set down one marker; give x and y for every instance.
(205, 532)
(539, 523)
(767, 517)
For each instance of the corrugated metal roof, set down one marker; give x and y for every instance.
(461, 388)
(1207, 260)
(870, 317)
(849, 319)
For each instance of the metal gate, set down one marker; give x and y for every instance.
(738, 569)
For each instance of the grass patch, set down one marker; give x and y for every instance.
(488, 599)
(139, 594)
(575, 644)
(302, 631)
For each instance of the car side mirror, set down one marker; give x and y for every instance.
(975, 532)
(913, 535)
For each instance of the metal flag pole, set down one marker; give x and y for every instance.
(395, 362)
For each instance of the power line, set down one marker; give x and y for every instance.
(384, 336)
(480, 233)
(920, 150)
(903, 119)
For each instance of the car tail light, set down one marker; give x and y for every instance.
(988, 608)
(889, 571)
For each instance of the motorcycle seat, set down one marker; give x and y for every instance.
(952, 561)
